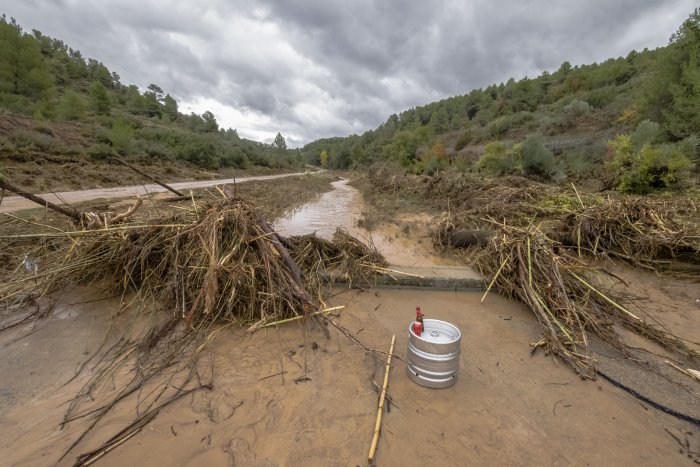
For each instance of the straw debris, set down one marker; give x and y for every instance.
(186, 277)
(539, 244)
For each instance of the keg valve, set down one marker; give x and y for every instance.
(418, 324)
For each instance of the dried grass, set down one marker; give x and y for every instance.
(213, 266)
(565, 294)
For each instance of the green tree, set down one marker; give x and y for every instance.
(156, 91)
(99, 98)
(673, 96)
(98, 72)
(170, 107)
(121, 136)
(71, 106)
(280, 144)
(23, 69)
(324, 158)
(135, 102)
(440, 120)
(404, 145)
(210, 125)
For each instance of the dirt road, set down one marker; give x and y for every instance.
(17, 203)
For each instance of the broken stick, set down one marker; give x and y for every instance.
(380, 409)
(150, 177)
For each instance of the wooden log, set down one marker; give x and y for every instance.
(467, 238)
(70, 212)
(150, 177)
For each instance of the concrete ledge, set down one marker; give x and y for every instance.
(435, 278)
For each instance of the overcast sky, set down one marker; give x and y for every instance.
(318, 68)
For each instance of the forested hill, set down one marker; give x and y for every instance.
(57, 106)
(552, 126)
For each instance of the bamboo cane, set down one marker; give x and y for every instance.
(289, 320)
(382, 398)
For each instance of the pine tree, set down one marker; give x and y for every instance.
(99, 97)
(280, 143)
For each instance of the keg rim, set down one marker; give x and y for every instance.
(457, 332)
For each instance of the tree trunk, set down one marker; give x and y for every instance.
(467, 238)
(70, 212)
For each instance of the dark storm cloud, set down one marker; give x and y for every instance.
(316, 68)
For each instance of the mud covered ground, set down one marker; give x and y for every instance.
(289, 396)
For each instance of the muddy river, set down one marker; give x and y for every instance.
(342, 208)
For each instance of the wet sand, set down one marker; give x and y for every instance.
(507, 408)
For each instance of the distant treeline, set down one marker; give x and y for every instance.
(43, 78)
(542, 127)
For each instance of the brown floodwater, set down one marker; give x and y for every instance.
(342, 208)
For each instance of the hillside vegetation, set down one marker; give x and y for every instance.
(632, 122)
(57, 107)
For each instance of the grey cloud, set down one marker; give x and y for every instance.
(323, 68)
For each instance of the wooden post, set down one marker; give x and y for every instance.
(70, 212)
(150, 177)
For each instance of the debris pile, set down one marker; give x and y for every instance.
(540, 244)
(186, 277)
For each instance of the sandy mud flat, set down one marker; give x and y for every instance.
(507, 408)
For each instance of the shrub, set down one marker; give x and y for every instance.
(554, 124)
(501, 125)
(236, 158)
(583, 161)
(156, 150)
(647, 132)
(465, 138)
(100, 151)
(599, 98)
(500, 159)
(653, 168)
(497, 128)
(121, 136)
(538, 161)
(577, 108)
(200, 152)
(28, 139)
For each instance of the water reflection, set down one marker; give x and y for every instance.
(341, 207)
